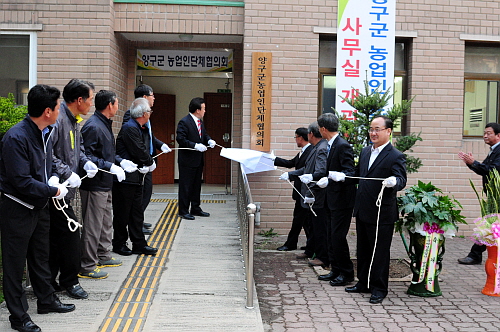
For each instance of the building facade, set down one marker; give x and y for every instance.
(448, 59)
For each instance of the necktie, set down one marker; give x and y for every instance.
(199, 127)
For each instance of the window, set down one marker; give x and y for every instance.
(481, 90)
(327, 78)
(18, 70)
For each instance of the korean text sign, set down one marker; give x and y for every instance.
(365, 49)
(177, 60)
(260, 125)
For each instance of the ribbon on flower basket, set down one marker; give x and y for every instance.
(495, 229)
(429, 256)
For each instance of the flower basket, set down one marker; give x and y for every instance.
(487, 231)
(429, 217)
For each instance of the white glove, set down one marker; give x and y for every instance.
(390, 182)
(118, 171)
(165, 149)
(306, 178)
(62, 190)
(323, 182)
(309, 200)
(211, 143)
(269, 155)
(91, 169)
(284, 176)
(336, 176)
(200, 147)
(144, 169)
(53, 181)
(74, 180)
(152, 167)
(128, 166)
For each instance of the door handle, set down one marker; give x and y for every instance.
(226, 137)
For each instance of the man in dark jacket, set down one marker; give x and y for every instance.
(70, 160)
(374, 225)
(314, 196)
(25, 164)
(299, 213)
(146, 92)
(132, 144)
(340, 202)
(491, 137)
(191, 134)
(97, 231)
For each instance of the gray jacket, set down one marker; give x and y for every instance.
(68, 152)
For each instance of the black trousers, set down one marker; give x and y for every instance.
(319, 241)
(65, 247)
(128, 215)
(379, 275)
(189, 189)
(338, 247)
(147, 190)
(476, 252)
(299, 221)
(25, 236)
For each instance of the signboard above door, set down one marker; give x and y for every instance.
(176, 60)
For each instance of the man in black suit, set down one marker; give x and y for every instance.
(314, 196)
(146, 92)
(299, 213)
(381, 160)
(191, 134)
(491, 137)
(340, 202)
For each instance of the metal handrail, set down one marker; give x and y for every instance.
(246, 217)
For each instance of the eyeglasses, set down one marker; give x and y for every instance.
(375, 130)
(150, 111)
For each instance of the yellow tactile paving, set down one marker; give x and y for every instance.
(133, 300)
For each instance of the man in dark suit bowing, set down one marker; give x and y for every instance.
(340, 202)
(491, 137)
(374, 225)
(191, 134)
(299, 213)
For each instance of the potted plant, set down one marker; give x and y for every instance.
(487, 230)
(429, 217)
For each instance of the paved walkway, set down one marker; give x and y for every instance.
(200, 285)
(197, 284)
(292, 299)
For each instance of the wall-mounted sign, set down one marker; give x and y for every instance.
(365, 49)
(175, 60)
(260, 127)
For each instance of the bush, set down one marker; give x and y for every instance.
(10, 113)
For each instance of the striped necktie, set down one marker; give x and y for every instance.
(199, 127)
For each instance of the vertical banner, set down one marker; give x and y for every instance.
(365, 49)
(260, 125)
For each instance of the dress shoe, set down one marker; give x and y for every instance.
(357, 289)
(146, 231)
(77, 292)
(146, 250)
(187, 216)
(315, 262)
(55, 306)
(468, 261)
(147, 225)
(376, 299)
(328, 277)
(123, 250)
(200, 214)
(285, 248)
(27, 326)
(302, 256)
(341, 280)
(303, 248)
